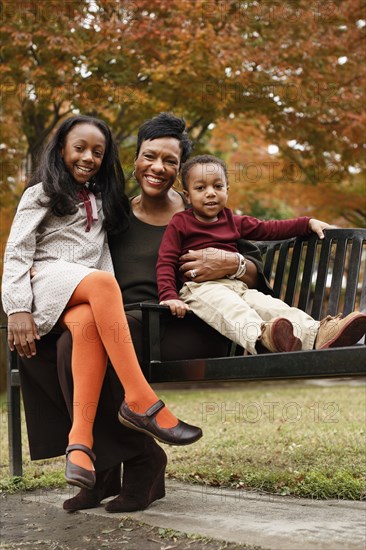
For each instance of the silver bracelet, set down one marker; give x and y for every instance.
(242, 267)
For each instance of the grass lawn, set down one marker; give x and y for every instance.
(285, 438)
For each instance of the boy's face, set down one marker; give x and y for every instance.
(207, 191)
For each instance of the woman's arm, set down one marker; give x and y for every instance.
(213, 263)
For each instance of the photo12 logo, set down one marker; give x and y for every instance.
(267, 12)
(282, 93)
(271, 411)
(30, 12)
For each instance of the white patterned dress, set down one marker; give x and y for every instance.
(59, 249)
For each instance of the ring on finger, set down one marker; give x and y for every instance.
(193, 273)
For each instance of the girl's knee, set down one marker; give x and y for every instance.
(104, 279)
(105, 285)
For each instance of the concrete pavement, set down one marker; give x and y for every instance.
(272, 522)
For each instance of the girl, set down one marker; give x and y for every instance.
(74, 197)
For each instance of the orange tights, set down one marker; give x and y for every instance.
(97, 322)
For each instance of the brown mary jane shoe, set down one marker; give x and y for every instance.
(181, 434)
(76, 475)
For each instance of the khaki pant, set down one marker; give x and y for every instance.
(238, 312)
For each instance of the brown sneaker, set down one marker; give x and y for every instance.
(278, 336)
(335, 332)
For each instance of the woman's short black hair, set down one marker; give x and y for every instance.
(165, 125)
(201, 159)
(62, 191)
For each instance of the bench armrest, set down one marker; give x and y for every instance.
(145, 306)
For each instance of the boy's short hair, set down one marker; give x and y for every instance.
(201, 159)
(165, 125)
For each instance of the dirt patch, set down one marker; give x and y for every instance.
(34, 525)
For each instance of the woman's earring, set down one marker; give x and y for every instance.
(134, 174)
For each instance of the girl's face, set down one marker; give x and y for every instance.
(83, 151)
(157, 165)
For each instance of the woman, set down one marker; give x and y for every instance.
(162, 146)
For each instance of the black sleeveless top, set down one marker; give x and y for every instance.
(134, 256)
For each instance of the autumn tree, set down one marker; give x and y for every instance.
(266, 184)
(296, 63)
(292, 71)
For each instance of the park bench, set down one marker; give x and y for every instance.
(322, 277)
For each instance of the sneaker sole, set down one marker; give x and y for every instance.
(283, 336)
(350, 334)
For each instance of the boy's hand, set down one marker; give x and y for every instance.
(317, 227)
(22, 333)
(177, 307)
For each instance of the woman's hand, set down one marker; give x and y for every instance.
(22, 333)
(317, 227)
(211, 263)
(177, 307)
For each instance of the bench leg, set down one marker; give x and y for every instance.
(151, 340)
(14, 417)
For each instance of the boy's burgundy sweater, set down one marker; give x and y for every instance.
(185, 232)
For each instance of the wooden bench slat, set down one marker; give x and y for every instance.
(337, 276)
(278, 283)
(363, 288)
(352, 276)
(307, 274)
(316, 310)
(293, 272)
(269, 260)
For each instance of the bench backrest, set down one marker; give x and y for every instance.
(321, 277)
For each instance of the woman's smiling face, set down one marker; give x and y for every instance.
(157, 165)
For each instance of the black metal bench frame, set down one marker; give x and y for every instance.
(322, 277)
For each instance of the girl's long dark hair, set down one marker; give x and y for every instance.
(62, 190)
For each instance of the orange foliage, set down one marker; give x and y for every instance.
(272, 180)
(286, 72)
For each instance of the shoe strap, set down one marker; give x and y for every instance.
(83, 448)
(154, 409)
